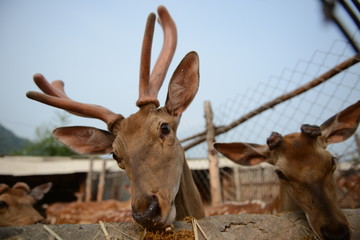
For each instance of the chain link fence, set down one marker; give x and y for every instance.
(313, 107)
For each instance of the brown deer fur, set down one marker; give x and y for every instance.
(16, 204)
(145, 143)
(305, 169)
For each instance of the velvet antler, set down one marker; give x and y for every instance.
(150, 85)
(54, 95)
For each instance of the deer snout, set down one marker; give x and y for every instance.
(335, 232)
(147, 212)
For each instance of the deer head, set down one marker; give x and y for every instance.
(144, 144)
(305, 169)
(16, 204)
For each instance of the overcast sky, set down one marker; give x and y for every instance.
(94, 46)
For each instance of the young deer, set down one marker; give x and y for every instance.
(16, 204)
(89, 212)
(305, 169)
(145, 144)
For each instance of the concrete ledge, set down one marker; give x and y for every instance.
(230, 227)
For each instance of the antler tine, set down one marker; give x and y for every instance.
(56, 88)
(167, 52)
(55, 96)
(59, 85)
(162, 64)
(146, 60)
(47, 88)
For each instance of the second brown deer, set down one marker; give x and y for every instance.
(144, 144)
(17, 204)
(305, 169)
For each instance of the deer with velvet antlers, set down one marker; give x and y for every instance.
(305, 169)
(144, 144)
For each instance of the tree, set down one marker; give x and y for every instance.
(46, 144)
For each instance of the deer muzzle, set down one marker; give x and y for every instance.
(335, 232)
(149, 213)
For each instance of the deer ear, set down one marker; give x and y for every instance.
(23, 186)
(85, 140)
(183, 85)
(38, 192)
(343, 125)
(3, 188)
(243, 153)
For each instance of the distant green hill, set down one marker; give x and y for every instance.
(9, 142)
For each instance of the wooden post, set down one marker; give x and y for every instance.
(89, 181)
(237, 180)
(357, 141)
(81, 193)
(215, 187)
(101, 184)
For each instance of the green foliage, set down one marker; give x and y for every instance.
(355, 160)
(46, 144)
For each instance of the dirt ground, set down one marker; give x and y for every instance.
(229, 227)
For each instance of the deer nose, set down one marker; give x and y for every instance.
(337, 232)
(148, 213)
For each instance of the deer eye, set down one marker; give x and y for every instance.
(165, 129)
(3, 205)
(118, 160)
(280, 174)
(333, 163)
(115, 157)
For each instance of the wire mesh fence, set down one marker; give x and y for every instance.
(313, 107)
